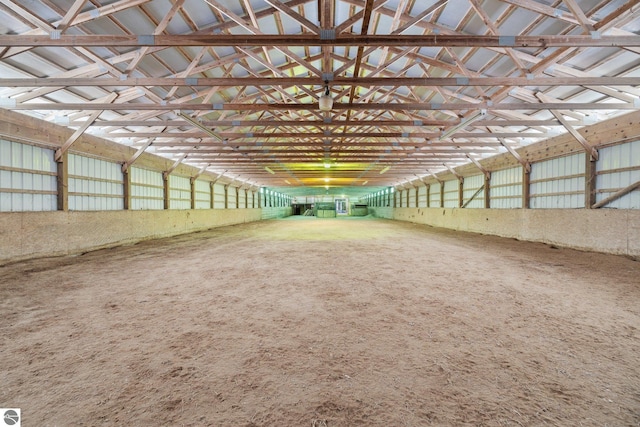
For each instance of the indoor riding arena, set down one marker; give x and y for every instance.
(319, 213)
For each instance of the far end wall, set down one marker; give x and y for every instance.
(609, 231)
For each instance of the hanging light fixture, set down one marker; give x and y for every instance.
(326, 101)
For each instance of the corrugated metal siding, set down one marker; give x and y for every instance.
(506, 188)
(470, 186)
(27, 178)
(179, 192)
(558, 183)
(94, 185)
(203, 195)
(147, 189)
(218, 196)
(451, 194)
(617, 168)
(422, 196)
(434, 199)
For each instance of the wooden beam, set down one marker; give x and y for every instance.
(581, 139)
(70, 16)
(363, 40)
(126, 165)
(373, 106)
(616, 195)
(285, 81)
(78, 133)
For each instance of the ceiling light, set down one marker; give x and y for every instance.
(327, 165)
(466, 122)
(269, 170)
(385, 169)
(325, 100)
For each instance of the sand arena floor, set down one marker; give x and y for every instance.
(314, 322)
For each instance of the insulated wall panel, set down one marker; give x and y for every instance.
(27, 178)
(558, 183)
(506, 188)
(94, 185)
(232, 198)
(434, 196)
(147, 189)
(422, 196)
(412, 197)
(203, 195)
(618, 167)
(218, 196)
(179, 192)
(451, 194)
(471, 186)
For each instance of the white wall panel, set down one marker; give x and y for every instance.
(558, 183)
(147, 189)
(412, 197)
(94, 184)
(506, 188)
(241, 199)
(232, 198)
(470, 186)
(451, 194)
(27, 178)
(434, 196)
(218, 196)
(203, 195)
(179, 192)
(422, 196)
(618, 167)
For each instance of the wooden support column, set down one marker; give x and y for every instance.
(212, 192)
(126, 184)
(442, 194)
(526, 187)
(237, 198)
(192, 181)
(487, 191)
(63, 181)
(428, 194)
(246, 198)
(226, 196)
(589, 182)
(166, 190)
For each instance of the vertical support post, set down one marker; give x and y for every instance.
(259, 200)
(126, 184)
(193, 192)
(166, 190)
(237, 198)
(442, 194)
(487, 191)
(246, 198)
(428, 195)
(395, 199)
(460, 191)
(526, 187)
(212, 194)
(62, 182)
(226, 196)
(590, 181)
